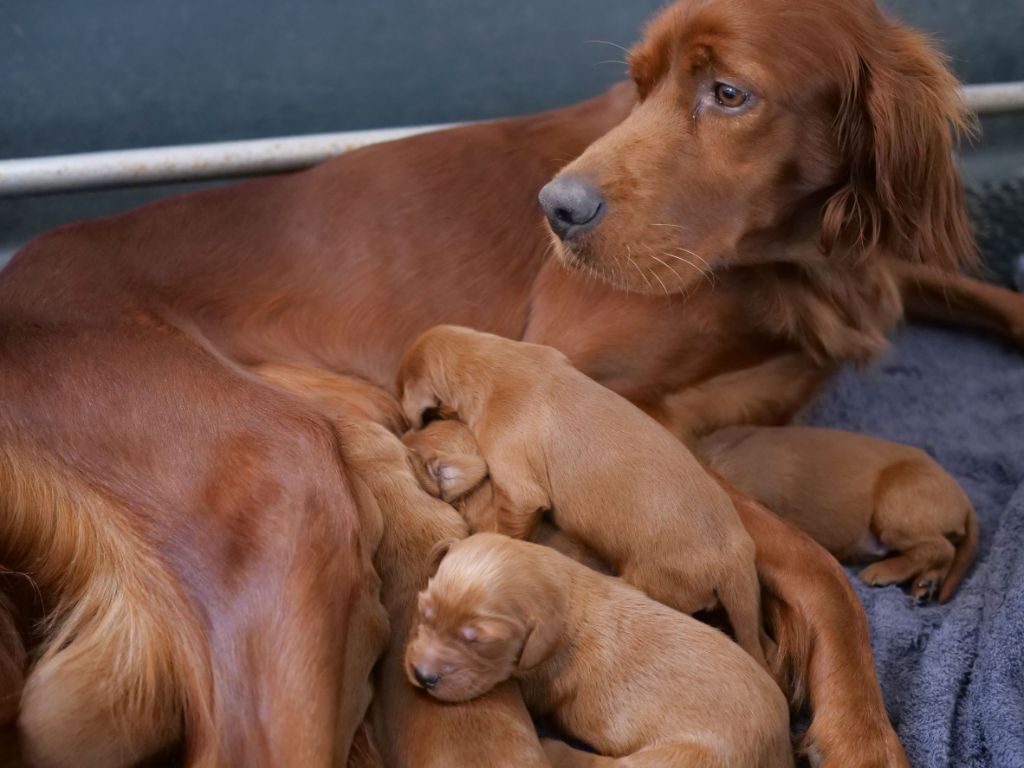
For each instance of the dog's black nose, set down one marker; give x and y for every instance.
(572, 206)
(427, 681)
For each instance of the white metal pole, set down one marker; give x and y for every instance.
(188, 162)
(193, 162)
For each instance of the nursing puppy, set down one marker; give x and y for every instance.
(860, 497)
(557, 442)
(405, 728)
(448, 464)
(610, 666)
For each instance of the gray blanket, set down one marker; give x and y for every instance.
(952, 675)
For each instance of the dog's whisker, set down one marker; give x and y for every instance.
(706, 270)
(654, 274)
(679, 278)
(705, 275)
(697, 256)
(629, 255)
(606, 42)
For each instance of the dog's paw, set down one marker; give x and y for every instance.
(878, 575)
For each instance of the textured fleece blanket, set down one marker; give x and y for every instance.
(952, 675)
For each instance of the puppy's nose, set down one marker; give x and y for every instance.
(427, 681)
(572, 206)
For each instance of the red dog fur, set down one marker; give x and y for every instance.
(173, 473)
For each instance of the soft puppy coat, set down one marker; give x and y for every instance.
(448, 465)
(611, 477)
(407, 728)
(860, 497)
(608, 664)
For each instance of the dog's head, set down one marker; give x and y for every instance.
(769, 131)
(485, 615)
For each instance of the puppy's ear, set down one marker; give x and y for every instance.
(541, 640)
(438, 553)
(900, 118)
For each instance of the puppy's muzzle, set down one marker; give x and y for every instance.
(425, 680)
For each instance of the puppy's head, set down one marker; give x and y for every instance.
(424, 372)
(491, 610)
(450, 371)
(446, 458)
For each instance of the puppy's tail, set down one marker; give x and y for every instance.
(963, 558)
(787, 661)
(124, 670)
(740, 596)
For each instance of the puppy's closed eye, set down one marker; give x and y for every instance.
(425, 607)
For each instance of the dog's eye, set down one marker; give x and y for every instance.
(729, 96)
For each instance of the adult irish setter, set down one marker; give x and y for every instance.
(752, 211)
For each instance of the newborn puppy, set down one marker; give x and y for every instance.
(405, 728)
(448, 464)
(860, 497)
(611, 477)
(610, 666)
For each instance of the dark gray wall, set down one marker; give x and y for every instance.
(81, 75)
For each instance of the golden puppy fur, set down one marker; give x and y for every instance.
(446, 458)
(609, 665)
(448, 465)
(404, 728)
(859, 497)
(411, 729)
(611, 476)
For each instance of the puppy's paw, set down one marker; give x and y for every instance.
(926, 587)
(879, 575)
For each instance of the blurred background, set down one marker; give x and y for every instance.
(79, 76)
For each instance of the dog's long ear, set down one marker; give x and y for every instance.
(900, 118)
(438, 553)
(541, 640)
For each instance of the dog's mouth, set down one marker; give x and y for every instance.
(636, 267)
(455, 688)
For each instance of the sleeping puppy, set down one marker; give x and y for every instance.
(635, 679)
(558, 443)
(448, 464)
(405, 728)
(860, 497)
(411, 729)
